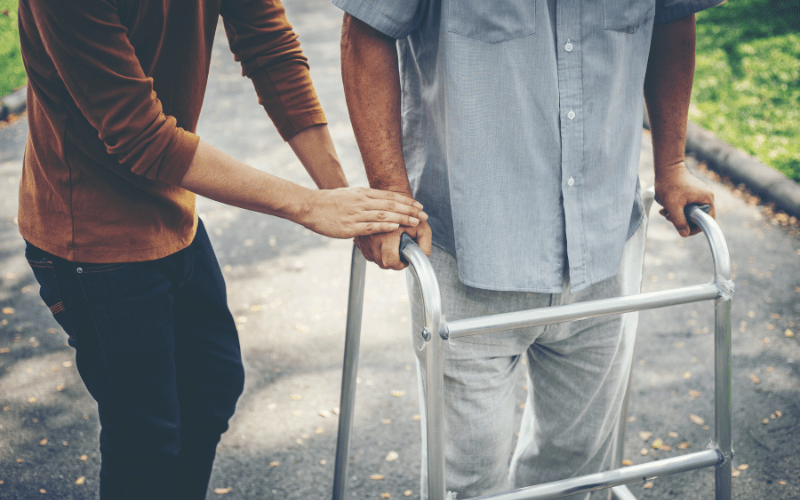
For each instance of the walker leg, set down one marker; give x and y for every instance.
(434, 417)
(722, 394)
(358, 267)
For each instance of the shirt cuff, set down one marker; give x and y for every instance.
(670, 10)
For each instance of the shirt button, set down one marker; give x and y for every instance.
(571, 115)
(568, 47)
(570, 182)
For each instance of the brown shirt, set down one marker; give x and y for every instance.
(115, 89)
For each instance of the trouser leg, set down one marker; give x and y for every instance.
(479, 382)
(578, 375)
(210, 376)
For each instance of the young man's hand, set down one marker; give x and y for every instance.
(351, 212)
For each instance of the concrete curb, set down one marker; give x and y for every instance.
(14, 103)
(765, 182)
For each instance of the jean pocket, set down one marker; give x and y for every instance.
(627, 16)
(493, 21)
(44, 271)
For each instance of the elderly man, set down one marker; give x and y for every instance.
(517, 123)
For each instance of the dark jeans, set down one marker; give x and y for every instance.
(158, 350)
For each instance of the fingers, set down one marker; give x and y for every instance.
(390, 253)
(381, 216)
(424, 238)
(378, 194)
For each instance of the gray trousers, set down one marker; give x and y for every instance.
(577, 378)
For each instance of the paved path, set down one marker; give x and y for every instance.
(288, 292)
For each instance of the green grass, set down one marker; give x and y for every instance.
(747, 79)
(12, 73)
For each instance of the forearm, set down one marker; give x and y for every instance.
(372, 88)
(668, 88)
(222, 178)
(314, 148)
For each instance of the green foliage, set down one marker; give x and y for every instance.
(747, 79)
(12, 73)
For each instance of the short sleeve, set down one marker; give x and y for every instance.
(670, 10)
(394, 18)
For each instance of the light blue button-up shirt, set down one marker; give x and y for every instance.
(522, 129)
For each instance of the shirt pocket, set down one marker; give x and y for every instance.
(491, 21)
(627, 16)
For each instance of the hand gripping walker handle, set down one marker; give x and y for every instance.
(687, 211)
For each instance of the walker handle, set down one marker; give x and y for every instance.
(688, 209)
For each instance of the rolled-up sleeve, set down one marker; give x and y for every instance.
(670, 10)
(98, 66)
(392, 18)
(263, 41)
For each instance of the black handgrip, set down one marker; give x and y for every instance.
(405, 240)
(687, 210)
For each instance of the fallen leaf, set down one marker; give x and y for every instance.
(335, 411)
(777, 412)
(657, 443)
(274, 463)
(742, 467)
(19, 460)
(782, 483)
(398, 393)
(323, 462)
(648, 485)
(324, 413)
(5, 350)
(386, 421)
(789, 333)
(60, 387)
(392, 456)
(631, 419)
(697, 420)
(643, 451)
(43, 442)
(765, 421)
(672, 434)
(319, 430)
(8, 310)
(42, 491)
(408, 493)
(386, 495)
(755, 378)
(31, 400)
(296, 397)
(66, 364)
(627, 462)
(376, 477)
(735, 473)
(645, 435)
(665, 447)
(687, 375)
(684, 445)
(416, 418)
(80, 480)
(83, 458)
(694, 394)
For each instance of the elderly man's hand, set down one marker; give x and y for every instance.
(384, 248)
(676, 187)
